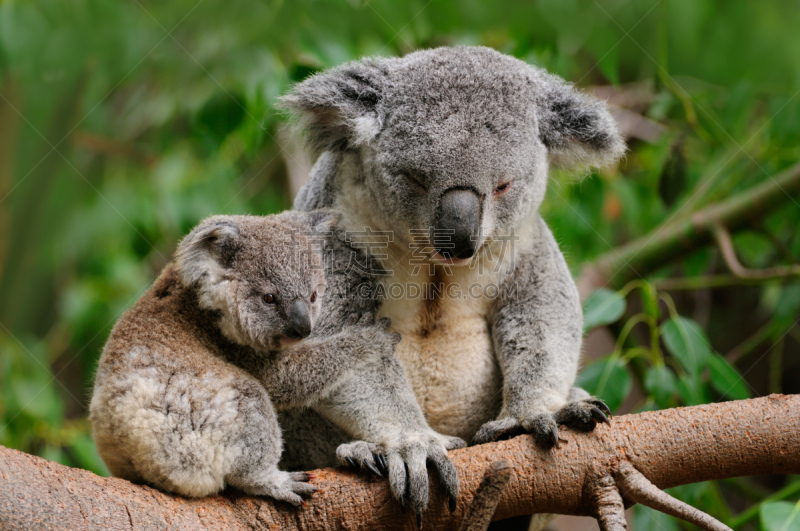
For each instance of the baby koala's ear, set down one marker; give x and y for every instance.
(324, 220)
(340, 107)
(576, 128)
(207, 249)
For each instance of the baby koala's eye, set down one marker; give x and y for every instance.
(269, 298)
(314, 297)
(502, 188)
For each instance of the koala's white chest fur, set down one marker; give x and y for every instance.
(450, 362)
(446, 348)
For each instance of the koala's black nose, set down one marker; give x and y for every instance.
(458, 224)
(299, 321)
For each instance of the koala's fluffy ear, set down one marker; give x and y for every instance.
(576, 128)
(207, 248)
(340, 107)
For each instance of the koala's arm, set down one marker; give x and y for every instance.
(300, 374)
(537, 328)
(374, 403)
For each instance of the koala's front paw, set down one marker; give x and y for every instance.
(290, 487)
(496, 430)
(543, 427)
(582, 415)
(405, 465)
(373, 333)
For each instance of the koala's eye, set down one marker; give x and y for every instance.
(416, 182)
(314, 297)
(269, 298)
(502, 188)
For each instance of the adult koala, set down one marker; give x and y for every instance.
(450, 150)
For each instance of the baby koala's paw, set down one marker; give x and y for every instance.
(290, 487)
(373, 333)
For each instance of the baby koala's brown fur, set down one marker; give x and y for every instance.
(187, 384)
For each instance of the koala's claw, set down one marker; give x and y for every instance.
(599, 404)
(372, 468)
(556, 440)
(599, 416)
(584, 414)
(360, 454)
(382, 464)
(419, 520)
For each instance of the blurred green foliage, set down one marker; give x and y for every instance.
(124, 123)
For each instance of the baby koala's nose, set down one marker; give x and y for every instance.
(299, 320)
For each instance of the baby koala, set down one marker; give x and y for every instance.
(186, 387)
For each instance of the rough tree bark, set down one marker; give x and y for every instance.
(590, 475)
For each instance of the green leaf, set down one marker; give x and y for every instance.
(602, 307)
(692, 390)
(661, 384)
(726, 380)
(686, 341)
(647, 519)
(607, 379)
(609, 65)
(55, 454)
(780, 516)
(86, 455)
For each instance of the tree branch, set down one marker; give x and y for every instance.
(673, 240)
(637, 487)
(484, 504)
(671, 447)
(608, 505)
(725, 244)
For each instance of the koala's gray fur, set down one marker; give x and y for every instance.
(396, 137)
(187, 383)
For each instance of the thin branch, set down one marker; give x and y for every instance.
(107, 146)
(725, 244)
(707, 282)
(639, 489)
(495, 480)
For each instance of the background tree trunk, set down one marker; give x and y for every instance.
(668, 448)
